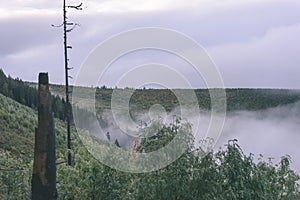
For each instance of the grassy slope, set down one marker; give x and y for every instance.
(17, 127)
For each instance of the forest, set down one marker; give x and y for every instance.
(227, 173)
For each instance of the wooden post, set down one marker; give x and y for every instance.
(44, 167)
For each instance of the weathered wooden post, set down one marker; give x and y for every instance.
(44, 167)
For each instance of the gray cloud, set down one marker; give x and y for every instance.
(269, 61)
(242, 29)
(30, 4)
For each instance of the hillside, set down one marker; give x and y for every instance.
(22, 119)
(237, 98)
(17, 126)
(226, 174)
(18, 123)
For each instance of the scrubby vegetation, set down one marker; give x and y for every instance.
(17, 127)
(225, 174)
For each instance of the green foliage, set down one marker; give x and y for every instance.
(225, 174)
(17, 128)
(14, 177)
(18, 90)
(27, 94)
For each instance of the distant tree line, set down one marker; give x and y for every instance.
(237, 98)
(25, 94)
(143, 99)
(18, 90)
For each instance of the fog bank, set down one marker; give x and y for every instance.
(273, 132)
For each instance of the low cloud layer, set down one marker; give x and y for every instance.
(273, 132)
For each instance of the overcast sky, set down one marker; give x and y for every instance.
(254, 43)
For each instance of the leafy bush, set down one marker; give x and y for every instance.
(225, 174)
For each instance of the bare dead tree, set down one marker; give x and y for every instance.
(68, 27)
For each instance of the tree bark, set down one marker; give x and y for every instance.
(44, 167)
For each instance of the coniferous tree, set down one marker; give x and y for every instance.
(117, 143)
